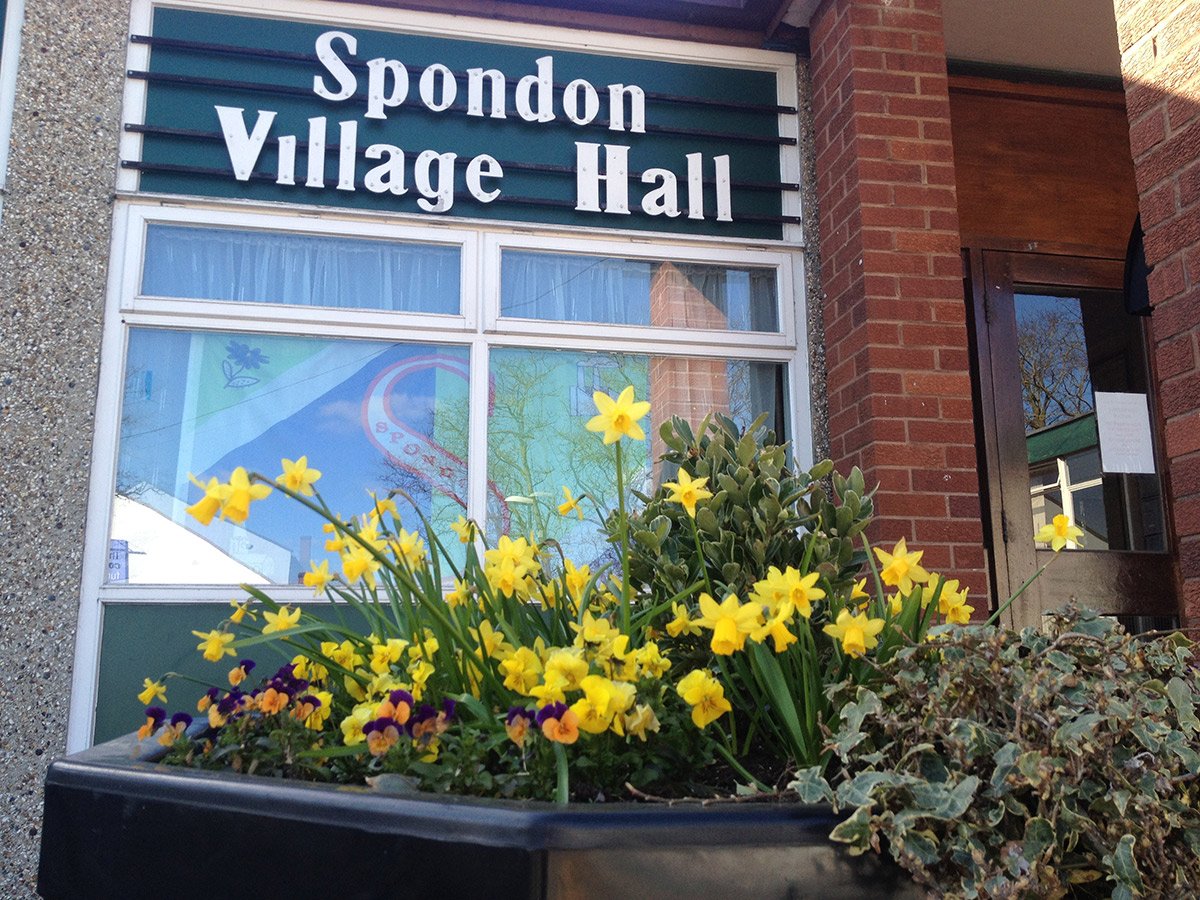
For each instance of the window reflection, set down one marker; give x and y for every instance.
(1071, 345)
(370, 415)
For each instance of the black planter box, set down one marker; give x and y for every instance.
(118, 827)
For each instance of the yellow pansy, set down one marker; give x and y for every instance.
(705, 695)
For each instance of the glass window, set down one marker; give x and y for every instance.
(371, 415)
(300, 269)
(613, 291)
(538, 444)
(1070, 344)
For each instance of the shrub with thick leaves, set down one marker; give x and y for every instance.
(1054, 763)
(763, 513)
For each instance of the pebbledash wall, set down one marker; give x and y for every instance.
(315, 137)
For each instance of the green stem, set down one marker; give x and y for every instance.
(738, 767)
(624, 527)
(562, 790)
(700, 557)
(1028, 581)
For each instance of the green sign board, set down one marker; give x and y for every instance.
(320, 114)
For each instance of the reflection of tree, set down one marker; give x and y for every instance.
(136, 419)
(535, 446)
(1055, 382)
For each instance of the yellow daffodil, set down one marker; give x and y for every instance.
(901, 569)
(1058, 533)
(150, 690)
(240, 611)
(776, 628)
(857, 633)
(681, 624)
(465, 528)
(298, 477)
(688, 491)
(705, 695)
(283, 620)
(318, 578)
(618, 418)
(460, 596)
(506, 577)
(215, 644)
(409, 547)
(380, 506)
(651, 662)
(953, 603)
(359, 563)
(215, 495)
(241, 494)
(570, 504)
(731, 621)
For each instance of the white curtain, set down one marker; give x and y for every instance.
(302, 270)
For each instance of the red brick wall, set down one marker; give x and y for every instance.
(895, 319)
(1160, 62)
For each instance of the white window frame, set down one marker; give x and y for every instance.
(14, 18)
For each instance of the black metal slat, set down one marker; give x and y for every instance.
(252, 87)
(214, 136)
(175, 168)
(309, 59)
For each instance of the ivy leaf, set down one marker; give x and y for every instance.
(855, 831)
(1124, 866)
(811, 787)
(1039, 835)
(1181, 698)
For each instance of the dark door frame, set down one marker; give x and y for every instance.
(1120, 583)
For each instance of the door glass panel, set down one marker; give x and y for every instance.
(1072, 344)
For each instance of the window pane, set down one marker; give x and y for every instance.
(1071, 344)
(637, 292)
(369, 415)
(538, 443)
(300, 269)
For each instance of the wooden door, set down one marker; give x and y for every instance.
(1051, 333)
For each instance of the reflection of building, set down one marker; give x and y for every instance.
(1023, 137)
(1064, 466)
(164, 547)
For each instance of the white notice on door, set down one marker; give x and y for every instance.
(1123, 421)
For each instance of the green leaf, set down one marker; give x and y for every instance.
(855, 831)
(1079, 730)
(1124, 866)
(1183, 700)
(810, 786)
(1039, 835)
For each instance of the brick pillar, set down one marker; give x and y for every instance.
(1160, 62)
(899, 381)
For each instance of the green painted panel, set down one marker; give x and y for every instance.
(414, 128)
(146, 640)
